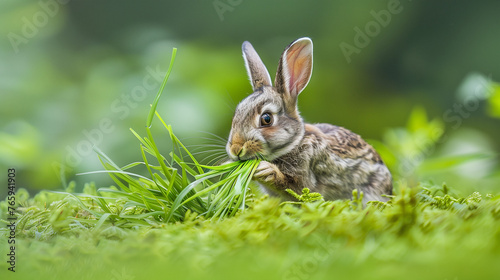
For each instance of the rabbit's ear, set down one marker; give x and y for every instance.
(256, 69)
(294, 70)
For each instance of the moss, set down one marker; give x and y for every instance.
(419, 234)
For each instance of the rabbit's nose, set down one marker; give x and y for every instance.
(237, 150)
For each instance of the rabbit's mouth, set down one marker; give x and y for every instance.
(251, 149)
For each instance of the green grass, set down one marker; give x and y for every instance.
(177, 186)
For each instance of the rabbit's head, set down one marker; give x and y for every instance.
(267, 124)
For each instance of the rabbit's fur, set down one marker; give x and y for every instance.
(325, 158)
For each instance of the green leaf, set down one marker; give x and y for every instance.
(440, 164)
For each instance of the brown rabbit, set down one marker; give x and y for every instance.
(325, 158)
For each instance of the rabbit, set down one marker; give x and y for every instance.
(325, 158)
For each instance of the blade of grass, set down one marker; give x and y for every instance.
(158, 95)
(184, 192)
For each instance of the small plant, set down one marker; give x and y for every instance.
(178, 185)
(306, 196)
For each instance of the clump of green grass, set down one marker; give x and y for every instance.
(177, 185)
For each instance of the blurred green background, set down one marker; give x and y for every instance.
(419, 79)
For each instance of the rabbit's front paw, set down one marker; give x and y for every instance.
(268, 173)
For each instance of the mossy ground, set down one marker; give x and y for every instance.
(422, 233)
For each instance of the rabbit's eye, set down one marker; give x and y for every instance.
(266, 119)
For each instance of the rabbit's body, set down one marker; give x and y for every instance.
(333, 161)
(325, 158)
